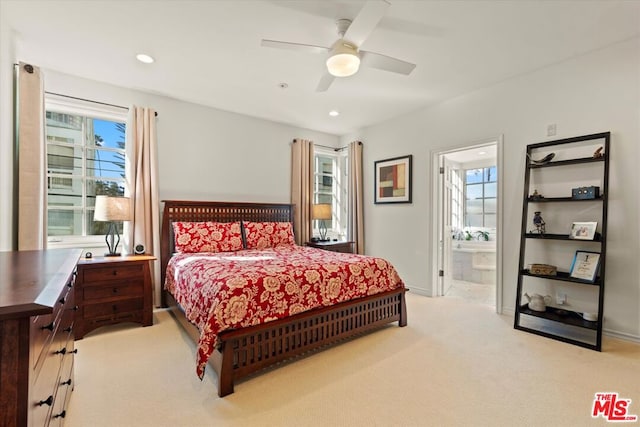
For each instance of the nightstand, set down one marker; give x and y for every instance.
(345, 247)
(112, 290)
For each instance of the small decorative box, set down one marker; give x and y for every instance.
(585, 192)
(543, 270)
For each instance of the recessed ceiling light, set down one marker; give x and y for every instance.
(334, 113)
(142, 57)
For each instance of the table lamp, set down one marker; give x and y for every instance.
(322, 212)
(109, 208)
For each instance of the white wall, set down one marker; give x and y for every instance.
(203, 153)
(593, 93)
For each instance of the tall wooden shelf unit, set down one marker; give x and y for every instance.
(573, 165)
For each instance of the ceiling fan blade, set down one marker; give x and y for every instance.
(325, 82)
(366, 21)
(294, 46)
(387, 63)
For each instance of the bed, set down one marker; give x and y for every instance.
(237, 350)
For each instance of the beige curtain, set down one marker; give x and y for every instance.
(356, 201)
(302, 188)
(31, 151)
(142, 173)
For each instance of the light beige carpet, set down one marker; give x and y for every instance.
(455, 364)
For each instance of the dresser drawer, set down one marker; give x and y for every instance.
(126, 289)
(43, 327)
(113, 309)
(113, 272)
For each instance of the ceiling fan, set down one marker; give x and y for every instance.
(344, 56)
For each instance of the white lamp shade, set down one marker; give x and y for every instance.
(343, 60)
(321, 211)
(110, 208)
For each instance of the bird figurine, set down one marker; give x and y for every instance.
(543, 161)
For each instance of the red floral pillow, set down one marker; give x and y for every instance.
(262, 235)
(193, 237)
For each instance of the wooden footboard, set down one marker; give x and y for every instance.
(245, 351)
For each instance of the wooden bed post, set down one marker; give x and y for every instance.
(403, 310)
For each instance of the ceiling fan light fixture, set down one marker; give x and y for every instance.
(343, 60)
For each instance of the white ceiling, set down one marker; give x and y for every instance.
(209, 53)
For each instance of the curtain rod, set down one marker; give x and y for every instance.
(91, 100)
(29, 69)
(334, 148)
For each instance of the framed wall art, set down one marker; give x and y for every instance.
(393, 180)
(585, 265)
(583, 230)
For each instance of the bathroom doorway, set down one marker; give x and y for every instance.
(469, 223)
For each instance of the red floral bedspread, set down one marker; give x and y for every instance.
(231, 290)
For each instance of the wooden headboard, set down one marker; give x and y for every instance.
(198, 211)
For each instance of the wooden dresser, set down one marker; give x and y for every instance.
(36, 336)
(112, 290)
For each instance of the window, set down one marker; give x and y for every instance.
(330, 186)
(480, 197)
(85, 158)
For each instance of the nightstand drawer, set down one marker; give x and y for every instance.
(113, 272)
(112, 309)
(134, 288)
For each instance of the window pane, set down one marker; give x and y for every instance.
(473, 176)
(64, 191)
(474, 220)
(65, 160)
(491, 190)
(64, 222)
(325, 165)
(107, 134)
(491, 174)
(324, 198)
(474, 206)
(102, 188)
(105, 164)
(490, 220)
(474, 191)
(490, 205)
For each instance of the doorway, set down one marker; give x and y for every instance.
(468, 223)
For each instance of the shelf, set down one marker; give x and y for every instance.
(563, 277)
(561, 199)
(551, 236)
(550, 323)
(568, 162)
(559, 315)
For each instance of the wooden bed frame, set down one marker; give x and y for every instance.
(242, 352)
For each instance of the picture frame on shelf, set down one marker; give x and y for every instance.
(392, 180)
(583, 230)
(585, 266)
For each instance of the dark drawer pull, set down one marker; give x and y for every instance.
(50, 326)
(75, 308)
(74, 351)
(62, 300)
(67, 382)
(63, 351)
(68, 329)
(115, 272)
(61, 414)
(47, 402)
(115, 290)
